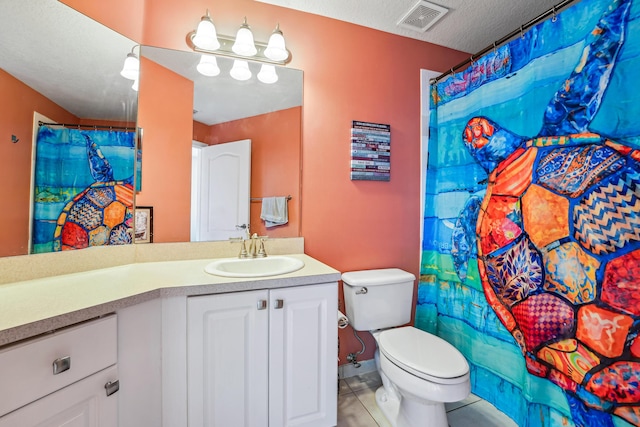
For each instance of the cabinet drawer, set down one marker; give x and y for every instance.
(27, 368)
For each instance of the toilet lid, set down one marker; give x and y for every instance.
(422, 354)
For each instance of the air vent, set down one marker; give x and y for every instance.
(422, 16)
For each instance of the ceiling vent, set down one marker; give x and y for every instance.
(422, 16)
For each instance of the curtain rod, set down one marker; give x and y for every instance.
(73, 125)
(551, 12)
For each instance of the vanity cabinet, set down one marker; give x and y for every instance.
(68, 377)
(263, 358)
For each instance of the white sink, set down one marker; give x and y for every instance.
(254, 267)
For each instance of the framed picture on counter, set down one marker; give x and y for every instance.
(143, 228)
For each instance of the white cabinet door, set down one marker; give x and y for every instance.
(263, 358)
(227, 360)
(303, 337)
(81, 404)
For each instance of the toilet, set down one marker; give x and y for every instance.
(419, 371)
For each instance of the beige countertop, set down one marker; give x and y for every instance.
(32, 307)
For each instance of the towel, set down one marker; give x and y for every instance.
(274, 211)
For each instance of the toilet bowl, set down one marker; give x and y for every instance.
(420, 372)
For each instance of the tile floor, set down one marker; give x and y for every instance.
(357, 407)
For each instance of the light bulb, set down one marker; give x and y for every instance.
(208, 66)
(244, 44)
(206, 36)
(276, 49)
(240, 70)
(268, 74)
(131, 67)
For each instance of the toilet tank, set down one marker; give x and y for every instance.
(378, 299)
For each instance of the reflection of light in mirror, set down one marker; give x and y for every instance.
(240, 70)
(268, 74)
(131, 67)
(208, 66)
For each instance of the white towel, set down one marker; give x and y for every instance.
(274, 211)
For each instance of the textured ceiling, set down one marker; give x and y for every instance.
(221, 99)
(67, 57)
(469, 26)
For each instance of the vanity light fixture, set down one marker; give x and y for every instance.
(268, 74)
(131, 67)
(243, 46)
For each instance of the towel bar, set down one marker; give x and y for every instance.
(259, 199)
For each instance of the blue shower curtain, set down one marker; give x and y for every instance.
(83, 193)
(531, 249)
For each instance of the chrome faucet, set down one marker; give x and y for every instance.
(255, 249)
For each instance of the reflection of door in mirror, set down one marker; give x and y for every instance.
(220, 191)
(224, 109)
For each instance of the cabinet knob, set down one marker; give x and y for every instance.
(61, 364)
(279, 303)
(262, 304)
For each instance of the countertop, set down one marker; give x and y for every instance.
(32, 307)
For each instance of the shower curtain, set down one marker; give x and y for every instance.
(83, 192)
(531, 249)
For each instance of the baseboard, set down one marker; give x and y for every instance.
(350, 370)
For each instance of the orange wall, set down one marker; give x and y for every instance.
(165, 109)
(350, 73)
(275, 165)
(17, 105)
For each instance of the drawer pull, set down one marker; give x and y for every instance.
(112, 387)
(279, 304)
(262, 304)
(62, 364)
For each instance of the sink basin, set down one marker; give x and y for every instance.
(254, 267)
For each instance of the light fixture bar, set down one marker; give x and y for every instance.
(226, 43)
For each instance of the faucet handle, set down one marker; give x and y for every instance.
(243, 250)
(261, 252)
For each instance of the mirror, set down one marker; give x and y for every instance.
(226, 110)
(57, 62)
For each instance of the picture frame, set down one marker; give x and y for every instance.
(143, 228)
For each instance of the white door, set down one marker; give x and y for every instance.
(303, 368)
(82, 404)
(227, 360)
(225, 184)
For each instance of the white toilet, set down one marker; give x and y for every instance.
(419, 371)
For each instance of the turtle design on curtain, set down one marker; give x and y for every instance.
(81, 198)
(557, 239)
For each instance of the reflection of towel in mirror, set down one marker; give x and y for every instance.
(274, 211)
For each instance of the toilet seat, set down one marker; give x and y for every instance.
(423, 355)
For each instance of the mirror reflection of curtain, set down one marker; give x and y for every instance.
(83, 193)
(531, 248)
